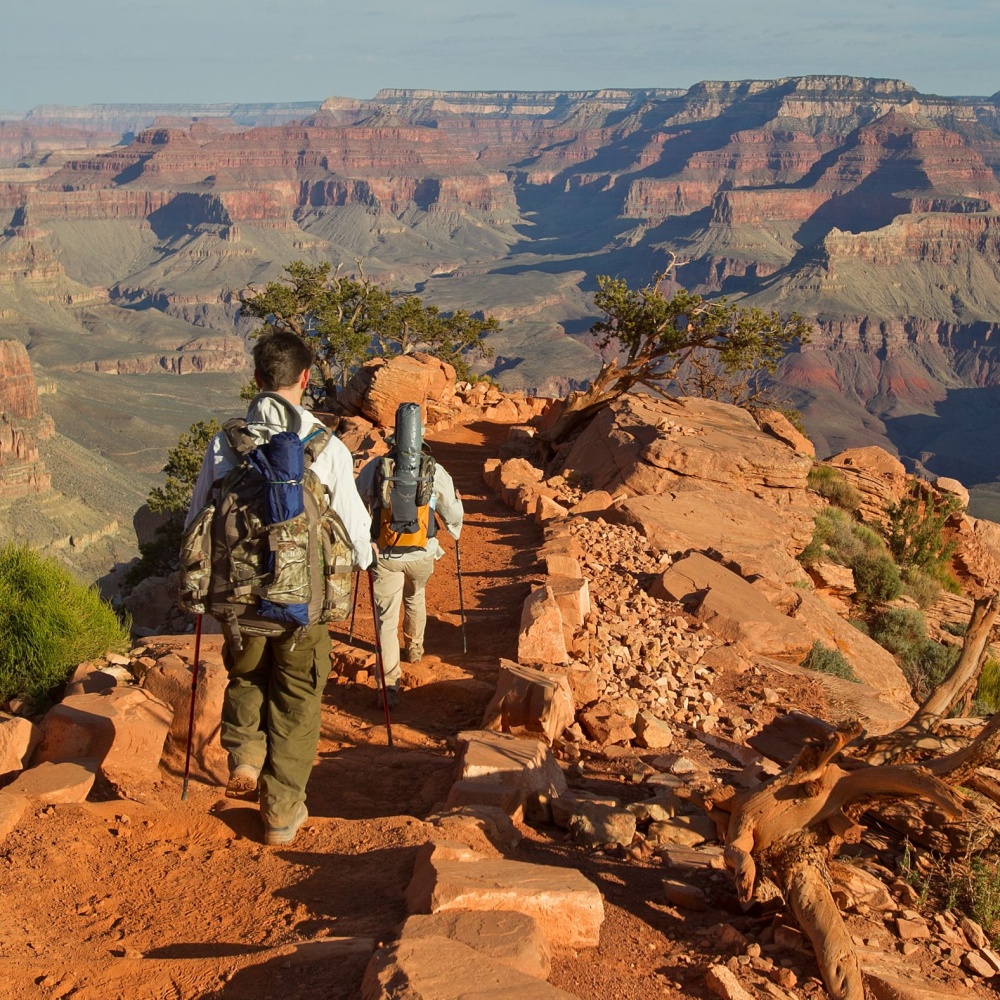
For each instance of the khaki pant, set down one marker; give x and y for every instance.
(401, 583)
(271, 714)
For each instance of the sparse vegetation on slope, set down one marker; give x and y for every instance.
(49, 622)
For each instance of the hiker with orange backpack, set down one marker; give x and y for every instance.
(404, 490)
(274, 529)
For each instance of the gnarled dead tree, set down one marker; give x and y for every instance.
(790, 827)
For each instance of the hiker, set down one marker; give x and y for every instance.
(404, 490)
(271, 708)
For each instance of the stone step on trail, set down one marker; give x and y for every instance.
(436, 968)
(568, 908)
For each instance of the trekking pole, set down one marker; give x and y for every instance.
(194, 688)
(354, 608)
(378, 657)
(461, 599)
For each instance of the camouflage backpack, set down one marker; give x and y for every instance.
(255, 573)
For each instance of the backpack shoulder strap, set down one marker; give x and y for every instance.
(314, 443)
(239, 437)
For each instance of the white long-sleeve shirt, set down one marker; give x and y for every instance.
(446, 503)
(333, 466)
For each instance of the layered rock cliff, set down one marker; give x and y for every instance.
(21, 470)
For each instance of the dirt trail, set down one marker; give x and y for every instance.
(180, 899)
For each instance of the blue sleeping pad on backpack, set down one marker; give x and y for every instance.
(281, 461)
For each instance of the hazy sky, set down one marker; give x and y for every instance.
(91, 51)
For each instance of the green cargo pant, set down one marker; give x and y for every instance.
(271, 714)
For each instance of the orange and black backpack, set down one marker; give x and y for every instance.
(404, 488)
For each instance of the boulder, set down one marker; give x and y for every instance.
(380, 385)
(514, 939)
(592, 502)
(150, 603)
(651, 732)
(53, 784)
(497, 769)
(946, 485)
(594, 824)
(891, 985)
(723, 983)
(12, 807)
(530, 701)
(603, 725)
(88, 679)
(775, 423)
(650, 446)
(18, 739)
(879, 478)
(732, 609)
(738, 526)
(872, 664)
(123, 730)
(437, 968)
(567, 907)
(572, 595)
(540, 637)
(170, 681)
(688, 897)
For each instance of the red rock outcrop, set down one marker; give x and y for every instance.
(21, 470)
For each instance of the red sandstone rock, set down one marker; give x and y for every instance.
(56, 783)
(18, 739)
(512, 938)
(438, 968)
(530, 701)
(567, 907)
(12, 807)
(540, 638)
(122, 730)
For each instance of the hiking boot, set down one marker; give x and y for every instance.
(278, 836)
(414, 653)
(242, 783)
(393, 697)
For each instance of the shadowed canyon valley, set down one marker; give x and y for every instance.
(128, 232)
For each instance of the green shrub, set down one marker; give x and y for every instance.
(49, 622)
(838, 538)
(924, 588)
(828, 661)
(860, 624)
(987, 697)
(902, 631)
(984, 895)
(876, 577)
(916, 525)
(830, 483)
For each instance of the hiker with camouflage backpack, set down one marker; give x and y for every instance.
(274, 529)
(404, 490)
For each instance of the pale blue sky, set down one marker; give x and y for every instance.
(92, 51)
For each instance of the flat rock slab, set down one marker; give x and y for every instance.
(123, 729)
(70, 781)
(872, 664)
(567, 907)
(733, 609)
(502, 759)
(436, 968)
(503, 936)
(530, 700)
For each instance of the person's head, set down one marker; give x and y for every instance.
(279, 361)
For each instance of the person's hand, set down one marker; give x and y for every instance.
(375, 552)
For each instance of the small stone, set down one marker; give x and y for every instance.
(975, 963)
(688, 897)
(722, 982)
(912, 930)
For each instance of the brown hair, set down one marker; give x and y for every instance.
(279, 359)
